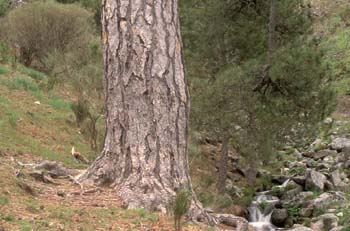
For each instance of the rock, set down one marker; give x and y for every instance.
(279, 216)
(300, 180)
(318, 226)
(340, 144)
(340, 228)
(317, 145)
(300, 228)
(306, 212)
(238, 211)
(54, 169)
(328, 121)
(61, 194)
(320, 154)
(292, 192)
(325, 199)
(315, 181)
(303, 198)
(336, 178)
(327, 221)
(279, 179)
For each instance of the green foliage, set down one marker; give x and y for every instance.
(297, 171)
(263, 205)
(58, 103)
(36, 75)
(7, 217)
(222, 78)
(39, 28)
(318, 211)
(4, 7)
(293, 210)
(13, 118)
(3, 70)
(207, 181)
(80, 110)
(277, 191)
(4, 200)
(5, 56)
(180, 205)
(223, 201)
(248, 195)
(345, 219)
(206, 198)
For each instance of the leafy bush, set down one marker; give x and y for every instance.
(293, 210)
(80, 110)
(39, 28)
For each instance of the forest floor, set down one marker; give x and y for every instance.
(27, 204)
(37, 125)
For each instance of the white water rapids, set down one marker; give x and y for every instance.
(261, 209)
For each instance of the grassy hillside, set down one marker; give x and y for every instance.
(35, 121)
(36, 125)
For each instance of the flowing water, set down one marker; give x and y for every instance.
(260, 212)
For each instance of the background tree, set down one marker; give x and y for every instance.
(243, 52)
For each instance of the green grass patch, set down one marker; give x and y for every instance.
(58, 103)
(4, 201)
(13, 118)
(4, 70)
(32, 73)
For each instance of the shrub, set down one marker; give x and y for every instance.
(180, 207)
(13, 118)
(5, 56)
(4, 7)
(39, 28)
(80, 110)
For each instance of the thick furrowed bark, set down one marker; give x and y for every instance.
(147, 107)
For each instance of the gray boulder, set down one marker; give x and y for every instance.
(315, 181)
(325, 199)
(326, 222)
(299, 228)
(336, 178)
(320, 154)
(279, 216)
(340, 144)
(306, 212)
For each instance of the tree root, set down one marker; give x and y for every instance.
(198, 215)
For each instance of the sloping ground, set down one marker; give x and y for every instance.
(27, 204)
(34, 121)
(38, 125)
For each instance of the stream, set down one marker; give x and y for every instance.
(261, 209)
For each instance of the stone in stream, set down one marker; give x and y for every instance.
(279, 216)
(299, 228)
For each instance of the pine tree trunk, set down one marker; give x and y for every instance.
(223, 165)
(147, 104)
(147, 109)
